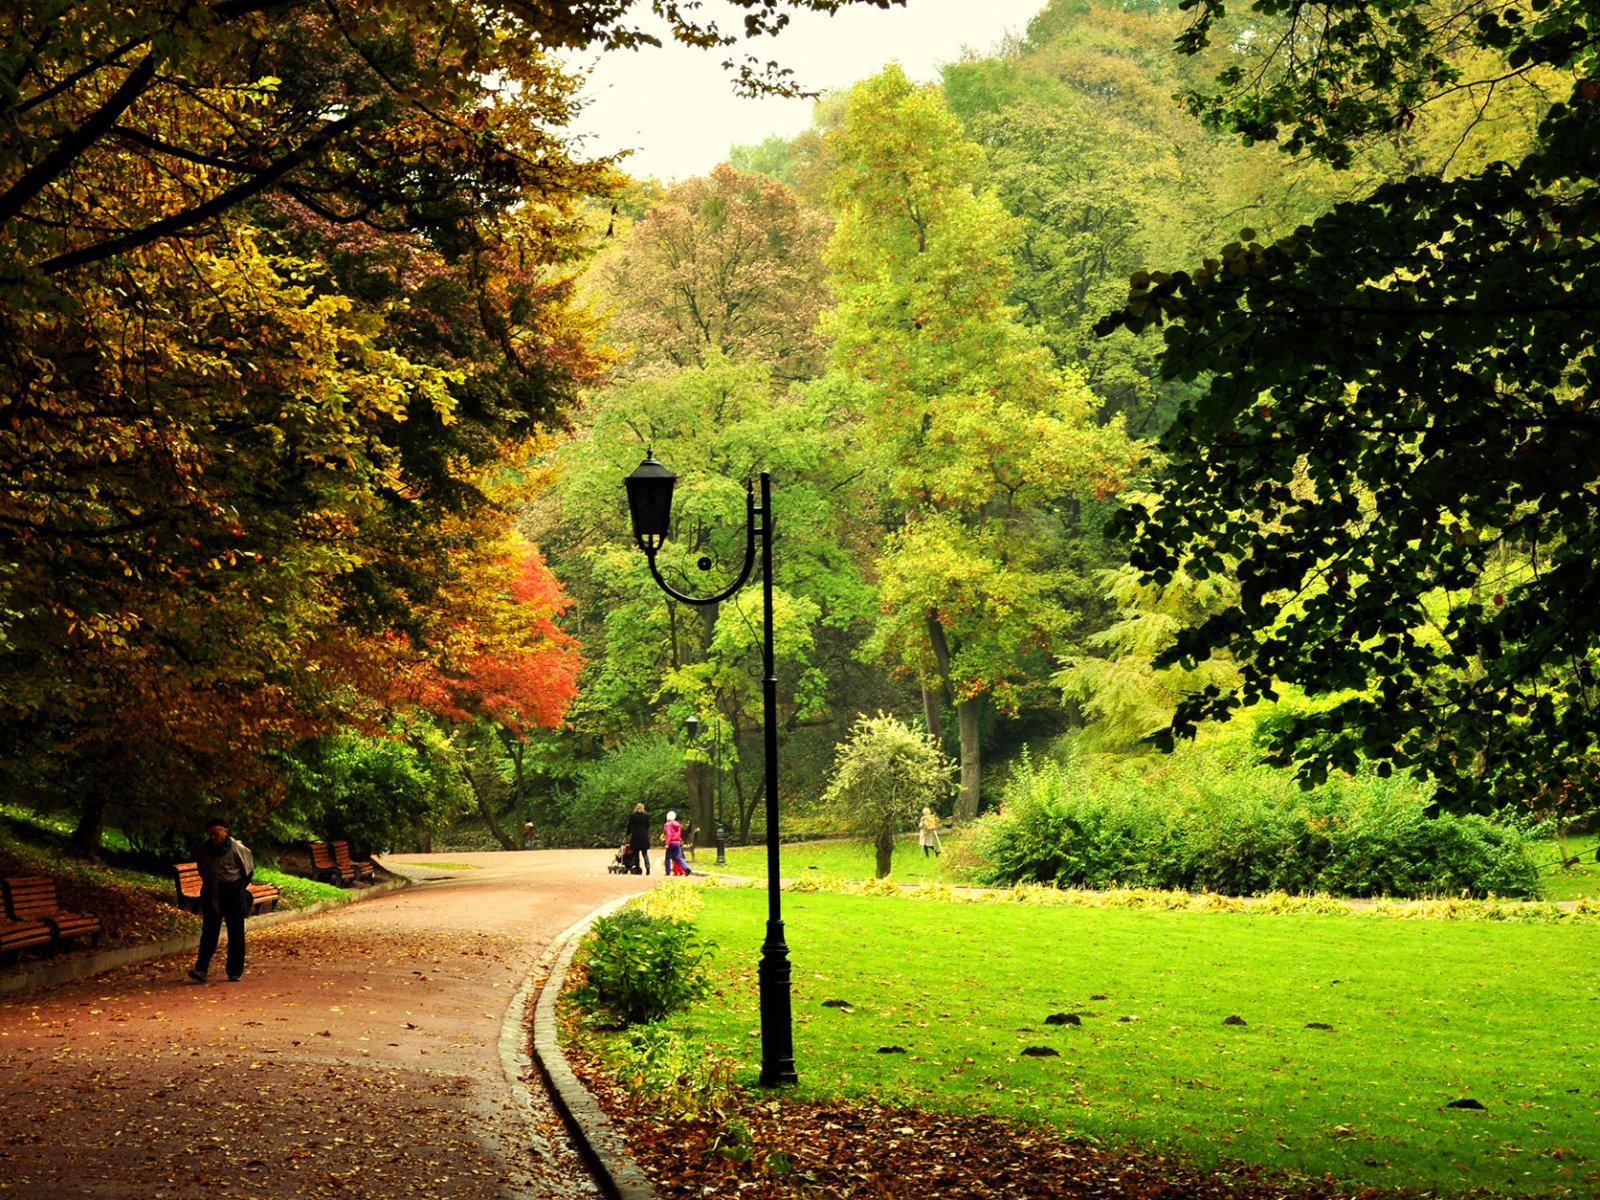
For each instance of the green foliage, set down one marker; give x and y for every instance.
(639, 968)
(670, 1074)
(647, 770)
(654, 661)
(1126, 697)
(1391, 451)
(884, 775)
(1195, 823)
(1106, 175)
(380, 792)
(982, 450)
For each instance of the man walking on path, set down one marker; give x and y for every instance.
(225, 865)
(363, 1055)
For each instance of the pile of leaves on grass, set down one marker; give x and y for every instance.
(761, 1148)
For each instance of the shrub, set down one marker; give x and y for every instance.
(647, 771)
(640, 967)
(670, 1074)
(884, 773)
(1196, 821)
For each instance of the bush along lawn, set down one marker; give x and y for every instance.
(1422, 1054)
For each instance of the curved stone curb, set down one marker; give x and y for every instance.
(49, 974)
(595, 1138)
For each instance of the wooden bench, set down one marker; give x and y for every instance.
(331, 863)
(351, 868)
(17, 936)
(325, 868)
(186, 877)
(33, 898)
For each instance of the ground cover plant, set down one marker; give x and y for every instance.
(1444, 1055)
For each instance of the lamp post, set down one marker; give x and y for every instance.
(650, 504)
(691, 731)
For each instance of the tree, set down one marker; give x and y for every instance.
(504, 669)
(884, 775)
(1125, 697)
(281, 283)
(980, 446)
(715, 426)
(383, 791)
(727, 263)
(1393, 451)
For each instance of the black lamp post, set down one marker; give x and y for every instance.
(650, 503)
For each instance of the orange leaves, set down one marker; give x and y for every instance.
(501, 654)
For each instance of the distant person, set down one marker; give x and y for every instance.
(226, 866)
(928, 833)
(672, 836)
(639, 836)
(527, 835)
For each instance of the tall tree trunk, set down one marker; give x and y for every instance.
(701, 810)
(884, 845)
(486, 810)
(967, 722)
(517, 752)
(91, 824)
(932, 714)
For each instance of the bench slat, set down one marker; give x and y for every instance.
(16, 936)
(325, 866)
(348, 866)
(33, 898)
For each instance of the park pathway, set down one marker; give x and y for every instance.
(359, 1057)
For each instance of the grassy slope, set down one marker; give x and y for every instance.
(1423, 1013)
(134, 905)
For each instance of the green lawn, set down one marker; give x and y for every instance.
(1563, 882)
(1422, 1013)
(837, 859)
(842, 859)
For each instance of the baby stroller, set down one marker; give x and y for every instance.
(625, 862)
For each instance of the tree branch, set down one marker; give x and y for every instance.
(215, 206)
(50, 167)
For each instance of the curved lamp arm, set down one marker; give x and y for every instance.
(705, 563)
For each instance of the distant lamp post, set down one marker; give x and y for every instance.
(691, 730)
(650, 504)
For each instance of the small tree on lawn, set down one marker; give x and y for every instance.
(883, 775)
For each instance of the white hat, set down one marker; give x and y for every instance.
(672, 816)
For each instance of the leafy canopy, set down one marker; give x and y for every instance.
(1394, 448)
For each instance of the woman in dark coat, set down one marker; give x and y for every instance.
(639, 836)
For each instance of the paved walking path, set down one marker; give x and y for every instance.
(360, 1056)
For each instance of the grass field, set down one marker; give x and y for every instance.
(843, 859)
(1568, 882)
(836, 859)
(1419, 1015)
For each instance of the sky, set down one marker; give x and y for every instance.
(675, 106)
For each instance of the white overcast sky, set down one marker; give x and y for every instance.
(676, 109)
